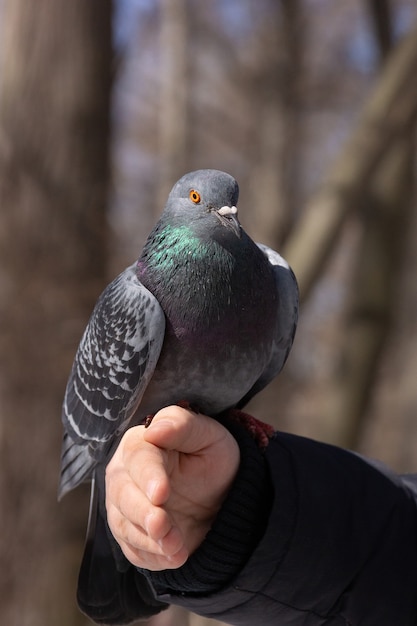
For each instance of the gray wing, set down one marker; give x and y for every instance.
(286, 322)
(114, 363)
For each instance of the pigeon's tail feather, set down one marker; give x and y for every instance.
(108, 590)
(97, 593)
(76, 465)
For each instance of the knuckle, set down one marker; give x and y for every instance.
(133, 536)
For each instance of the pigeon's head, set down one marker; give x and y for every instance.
(205, 195)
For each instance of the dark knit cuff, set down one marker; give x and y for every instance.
(235, 533)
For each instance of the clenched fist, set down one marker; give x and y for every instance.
(166, 483)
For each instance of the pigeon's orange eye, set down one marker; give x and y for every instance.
(194, 196)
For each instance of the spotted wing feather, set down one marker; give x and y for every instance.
(115, 360)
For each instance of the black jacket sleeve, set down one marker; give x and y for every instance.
(330, 540)
(309, 535)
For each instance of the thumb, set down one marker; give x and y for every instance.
(175, 428)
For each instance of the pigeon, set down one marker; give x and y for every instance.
(205, 316)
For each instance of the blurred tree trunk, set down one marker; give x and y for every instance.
(54, 129)
(381, 17)
(273, 184)
(172, 105)
(387, 116)
(385, 210)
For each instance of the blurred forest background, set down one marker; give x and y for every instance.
(311, 105)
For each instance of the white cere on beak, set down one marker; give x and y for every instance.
(227, 210)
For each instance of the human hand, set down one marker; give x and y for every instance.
(166, 483)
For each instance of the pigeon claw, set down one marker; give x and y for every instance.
(189, 406)
(184, 404)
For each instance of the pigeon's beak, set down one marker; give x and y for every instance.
(228, 217)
